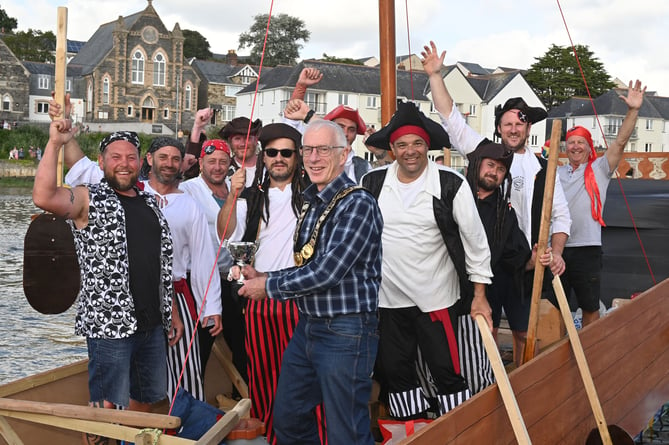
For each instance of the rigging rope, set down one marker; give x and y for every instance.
(406, 7)
(214, 269)
(599, 124)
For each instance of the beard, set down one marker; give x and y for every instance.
(488, 184)
(121, 185)
(284, 176)
(166, 176)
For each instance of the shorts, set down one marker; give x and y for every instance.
(504, 293)
(135, 368)
(583, 275)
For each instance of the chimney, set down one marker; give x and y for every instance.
(231, 58)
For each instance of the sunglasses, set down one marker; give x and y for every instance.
(285, 152)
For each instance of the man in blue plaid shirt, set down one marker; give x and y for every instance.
(338, 251)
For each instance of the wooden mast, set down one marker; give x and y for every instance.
(387, 59)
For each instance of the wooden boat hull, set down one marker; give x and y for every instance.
(628, 355)
(69, 384)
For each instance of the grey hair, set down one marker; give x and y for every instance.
(335, 129)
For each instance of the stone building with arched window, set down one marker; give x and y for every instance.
(133, 72)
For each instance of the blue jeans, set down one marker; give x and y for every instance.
(124, 368)
(328, 360)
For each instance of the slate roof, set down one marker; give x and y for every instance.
(475, 68)
(571, 106)
(488, 86)
(216, 72)
(74, 46)
(100, 44)
(49, 69)
(358, 79)
(661, 104)
(610, 104)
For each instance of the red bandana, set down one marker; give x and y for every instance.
(410, 129)
(589, 175)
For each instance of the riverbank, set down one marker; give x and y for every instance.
(17, 169)
(12, 185)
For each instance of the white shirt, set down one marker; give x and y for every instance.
(275, 239)
(585, 231)
(193, 249)
(465, 140)
(202, 194)
(417, 269)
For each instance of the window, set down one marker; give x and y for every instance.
(231, 90)
(138, 67)
(313, 99)
(648, 147)
(649, 124)
(534, 140)
(166, 113)
(372, 102)
(43, 82)
(89, 97)
(159, 70)
(42, 107)
(188, 98)
(6, 103)
(103, 115)
(472, 110)
(105, 91)
(227, 112)
(343, 99)
(594, 122)
(612, 126)
(129, 110)
(68, 85)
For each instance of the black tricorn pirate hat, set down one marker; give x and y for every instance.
(526, 113)
(408, 114)
(240, 125)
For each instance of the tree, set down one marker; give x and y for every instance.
(283, 47)
(7, 24)
(556, 77)
(346, 60)
(196, 45)
(32, 45)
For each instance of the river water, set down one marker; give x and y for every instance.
(30, 342)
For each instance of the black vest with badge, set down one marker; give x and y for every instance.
(443, 215)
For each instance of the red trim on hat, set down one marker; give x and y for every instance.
(409, 129)
(347, 113)
(219, 144)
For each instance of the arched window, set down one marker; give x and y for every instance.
(159, 70)
(188, 96)
(105, 91)
(138, 67)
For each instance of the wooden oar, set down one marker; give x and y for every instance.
(50, 268)
(583, 368)
(503, 383)
(542, 243)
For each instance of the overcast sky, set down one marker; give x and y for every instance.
(629, 37)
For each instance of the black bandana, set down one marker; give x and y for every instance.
(129, 136)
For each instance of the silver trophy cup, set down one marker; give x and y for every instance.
(242, 253)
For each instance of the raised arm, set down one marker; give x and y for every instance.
(229, 209)
(633, 100)
(432, 63)
(71, 203)
(308, 77)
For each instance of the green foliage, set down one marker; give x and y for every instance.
(346, 60)
(23, 136)
(556, 77)
(7, 23)
(283, 47)
(196, 45)
(32, 45)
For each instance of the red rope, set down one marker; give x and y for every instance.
(214, 268)
(599, 124)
